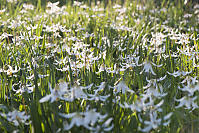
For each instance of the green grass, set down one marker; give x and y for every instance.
(127, 53)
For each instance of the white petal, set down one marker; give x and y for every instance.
(109, 128)
(45, 99)
(146, 129)
(166, 123)
(168, 116)
(67, 115)
(68, 127)
(107, 122)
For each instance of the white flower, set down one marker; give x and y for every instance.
(121, 86)
(166, 118)
(91, 117)
(148, 67)
(62, 92)
(188, 102)
(142, 104)
(155, 80)
(97, 97)
(54, 9)
(11, 1)
(105, 126)
(152, 124)
(77, 91)
(24, 88)
(190, 89)
(51, 5)
(5, 35)
(101, 69)
(185, 2)
(100, 87)
(17, 117)
(77, 3)
(116, 69)
(2, 11)
(61, 61)
(155, 122)
(63, 86)
(190, 80)
(77, 119)
(10, 70)
(56, 93)
(87, 119)
(154, 89)
(155, 92)
(179, 73)
(28, 7)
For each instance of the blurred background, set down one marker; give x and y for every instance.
(63, 2)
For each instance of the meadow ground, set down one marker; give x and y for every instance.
(122, 68)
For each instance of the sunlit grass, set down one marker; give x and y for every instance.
(114, 68)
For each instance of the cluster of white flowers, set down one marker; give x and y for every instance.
(88, 119)
(63, 92)
(17, 117)
(141, 60)
(12, 1)
(189, 100)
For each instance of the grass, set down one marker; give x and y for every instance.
(79, 68)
